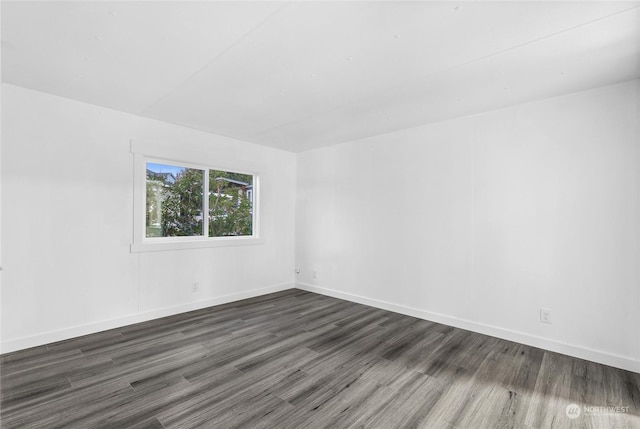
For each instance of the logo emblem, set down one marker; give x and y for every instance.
(573, 411)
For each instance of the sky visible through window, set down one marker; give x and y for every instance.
(163, 168)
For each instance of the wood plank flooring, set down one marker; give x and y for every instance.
(295, 359)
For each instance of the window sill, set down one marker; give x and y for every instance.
(197, 243)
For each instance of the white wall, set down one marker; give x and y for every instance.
(478, 222)
(67, 181)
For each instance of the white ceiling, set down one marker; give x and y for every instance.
(302, 74)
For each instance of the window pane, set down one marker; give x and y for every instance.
(174, 201)
(230, 204)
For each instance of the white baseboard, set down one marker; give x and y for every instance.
(573, 350)
(92, 328)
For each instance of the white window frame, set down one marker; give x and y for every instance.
(142, 243)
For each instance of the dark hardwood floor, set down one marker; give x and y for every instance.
(299, 360)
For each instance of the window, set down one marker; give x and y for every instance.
(178, 215)
(230, 204)
(174, 200)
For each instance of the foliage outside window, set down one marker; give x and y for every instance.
(175, 203)
(230, 203)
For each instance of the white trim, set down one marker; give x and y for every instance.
(194, 243)
(142, 243)
(186, 153)
(205, 203)
(599, 356)
(139, 197)
(92, 328)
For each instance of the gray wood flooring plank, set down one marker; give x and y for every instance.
(295, 359)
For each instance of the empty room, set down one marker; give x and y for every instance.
(320, 214)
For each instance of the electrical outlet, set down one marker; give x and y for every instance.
(314, 274)
(297, 270)
(195, 287)
(545, 315)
